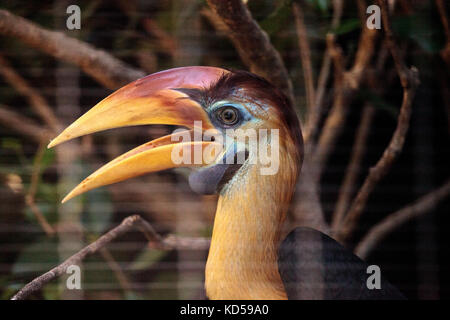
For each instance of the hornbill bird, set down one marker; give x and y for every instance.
(247, 259)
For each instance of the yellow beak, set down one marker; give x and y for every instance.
(150, 100)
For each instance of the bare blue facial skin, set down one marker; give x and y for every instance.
(207, 181)
(210, 180)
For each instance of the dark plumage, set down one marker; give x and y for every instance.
(314, 266)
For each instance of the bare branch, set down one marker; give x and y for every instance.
(338, 112)
(353, 168)
(128, 224)
(42, 108)
(305, 55)
(115, 267)
(312, 125)
(30, 196)
(23, 125)
(408, 77)
(351, 174)
(165, 41)
(346, 85)
(364, 54)
(109, 71)
(252, 43)
(215, 20)
(420, 207)
(409, 80)
(37, 102)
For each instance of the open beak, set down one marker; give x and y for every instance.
(150, 100)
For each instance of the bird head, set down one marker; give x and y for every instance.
(209, 103)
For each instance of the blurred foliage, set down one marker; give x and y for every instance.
(321, 5)
(426, 32)
(276, 20)
(347, 26)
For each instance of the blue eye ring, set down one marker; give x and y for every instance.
(228, 115)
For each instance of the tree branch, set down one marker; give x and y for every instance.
(409, 80)
(37, 102)
(421, 206)
(346, 86)
(351, 173)
(312, 125)
(30, 196)
(252, 43)
(305, 56)
(353, 168)
(23, 125)
(107, 70)
(155, 241)
(338, 112)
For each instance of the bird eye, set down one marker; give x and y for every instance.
(229, 115)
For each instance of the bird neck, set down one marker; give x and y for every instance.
(242, 261)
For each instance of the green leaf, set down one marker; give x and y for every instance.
(48, 158)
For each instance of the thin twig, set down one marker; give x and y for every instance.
(308, 210)
(409, 80)
(351, 173)
(338, 112)
(165, 41)
(23, 125)
(313, 119)
(420, 207)
(115, 267)
(155, 241)
(353, 168)
(30, 196)
(109, 71)
(37, 102)
(214, 20)
(363, 56)
(305, 56)
(252, 43)
(346, 85)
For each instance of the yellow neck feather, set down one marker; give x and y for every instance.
(242, 261)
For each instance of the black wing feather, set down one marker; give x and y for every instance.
(314, 266)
